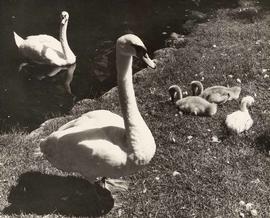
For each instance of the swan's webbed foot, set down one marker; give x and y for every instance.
(116, 187)
(112, 184)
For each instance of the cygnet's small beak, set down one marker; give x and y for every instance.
(149, 61)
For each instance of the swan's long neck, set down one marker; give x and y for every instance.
(243, 106)
(63, 39)
(179, 94)
(197, 87)
(175, 93)
(127, 97)
(140, 142)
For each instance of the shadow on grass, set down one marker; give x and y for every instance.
(263, 142)
(41, 194)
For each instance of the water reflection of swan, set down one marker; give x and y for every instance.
(45, 49)
(44, 71)
(101, 143)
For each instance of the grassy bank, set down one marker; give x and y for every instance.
(191, 175)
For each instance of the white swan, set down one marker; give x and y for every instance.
(44, 49)
(215, 94)
(191, 104)
(101, 143)
(240, 121)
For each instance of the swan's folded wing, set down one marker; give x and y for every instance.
(103, 153)
(232, 120)
(75, 148)
(239, 121)
(248, 123)
(47, 41)
(98, 118)
(218, 98)
(43, 49)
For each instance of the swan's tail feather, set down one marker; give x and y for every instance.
(18, 40)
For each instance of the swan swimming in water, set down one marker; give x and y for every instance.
(45, 49)
(101, 143)
(215, 94)
(191, 104)
(240, 121)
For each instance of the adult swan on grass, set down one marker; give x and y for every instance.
(101, 143)
(45, 49)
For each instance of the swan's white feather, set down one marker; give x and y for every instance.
(98, 119)
(96, 140)
(40, 53)
(100, 143)
(45, 40)
(18, 40)
(45, 49)
(239, 121)
(215, 94)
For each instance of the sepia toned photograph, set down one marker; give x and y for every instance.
(135, 108)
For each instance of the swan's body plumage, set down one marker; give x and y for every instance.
(101, 147)
(215, 94)
(101, 143)
(45, 49)
(191, 104)
(45, 40)
(196, 105)
(240, 121)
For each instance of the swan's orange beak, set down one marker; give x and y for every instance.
(149, 61)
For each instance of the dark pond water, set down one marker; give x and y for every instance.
(36, 93)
